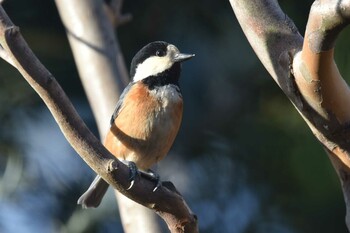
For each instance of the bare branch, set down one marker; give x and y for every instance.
(317, 75)
(307, 74)
(323, 88)
(166, 200)
(271, 33)
(327, 19)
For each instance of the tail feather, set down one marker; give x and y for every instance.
(93, 196)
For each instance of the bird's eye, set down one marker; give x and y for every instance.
(160, 53)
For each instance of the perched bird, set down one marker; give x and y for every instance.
(147, 116)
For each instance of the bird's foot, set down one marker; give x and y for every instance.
(153, 176)
(135, 172)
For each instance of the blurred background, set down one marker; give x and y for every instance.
(244, 159)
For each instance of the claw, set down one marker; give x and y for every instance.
(152, 175)
(134, 172)
(159, 183)
(131, 184)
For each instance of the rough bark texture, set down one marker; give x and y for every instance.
(305, 70)
(166, 201)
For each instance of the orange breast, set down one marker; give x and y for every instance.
(146, 126)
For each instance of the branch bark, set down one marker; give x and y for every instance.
(90, 30)
(305, 70)
(323, 87)
(166, 201)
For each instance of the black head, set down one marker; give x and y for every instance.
(155, 59)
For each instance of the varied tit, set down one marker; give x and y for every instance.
(147, 116)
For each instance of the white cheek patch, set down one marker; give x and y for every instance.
(152, 66)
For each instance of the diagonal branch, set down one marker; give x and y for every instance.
(166, 201)
(270, 32)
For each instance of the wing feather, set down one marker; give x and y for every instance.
(120, 102)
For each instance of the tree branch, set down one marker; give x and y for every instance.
(272, 35)
(166, 201)
(323, 87)
(327, 19)
(305, 70)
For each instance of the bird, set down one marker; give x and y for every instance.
(147, 116)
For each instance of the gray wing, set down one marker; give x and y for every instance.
(120, 102)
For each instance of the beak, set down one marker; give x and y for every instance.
(180, 57)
